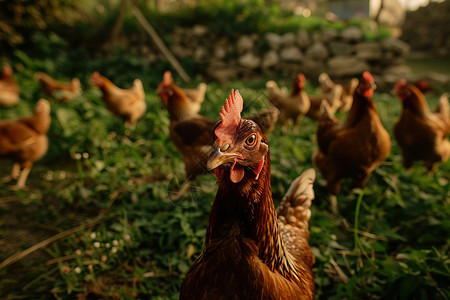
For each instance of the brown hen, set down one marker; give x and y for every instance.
(348, 89)
(9, 89)
(355, 147)
(421, 134)
(25, 141)
(64, 91)
(128, 104)
(252, 251)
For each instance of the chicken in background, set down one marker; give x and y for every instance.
(422, 134)
(293, 106)
(64, 91)
(25, 141)
(192, 134)
(333, 97)
(348, 89)
(9, 89)
(128, 104)
(252, 251)
(423, 85)
(196, 95)
(355, 147)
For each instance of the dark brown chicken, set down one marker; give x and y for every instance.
(9, 89)
(252, 251)
(192, 133)
(293, 106)
(25, 141)
(128, 104)
(421, 134)
(355, 147)
(64, 91)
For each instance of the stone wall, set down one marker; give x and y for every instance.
(427, 30)
(340, 53)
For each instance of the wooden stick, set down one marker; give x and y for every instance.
(19, 255)
(173, 61)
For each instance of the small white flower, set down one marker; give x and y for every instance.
(114, 250)
(115, 243)
(97, 245)
(108, 245)
(77, 270)
(77, 156)
(127, 237)
(78, 252)
(85, 155)
(93, 235)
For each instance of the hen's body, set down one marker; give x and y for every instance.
(251, 252)
(348, 89)
(25, 141)
(65, 91)
(333, 97)
(9, 90)
(128, 104)
(421, 134)
(293, 106)
(353, 148)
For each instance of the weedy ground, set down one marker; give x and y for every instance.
(98, 216)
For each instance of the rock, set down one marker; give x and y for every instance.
(273, 39)
(291, 54)
(352, 34)
(270, 59)
(221, 72)
(395, 45)
(317, 51)
(181, 51)
(329, 35)
(220, 52)
(244, 44)
(303, 40)
(200, 54)
(341, 66)
(313, 68)
(340, 48)
(369, 51)
(400, 70)
(199, 30)
(249, 60)
(288, 39)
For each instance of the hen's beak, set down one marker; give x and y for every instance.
(218, 158)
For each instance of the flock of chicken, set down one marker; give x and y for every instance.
(261, 252)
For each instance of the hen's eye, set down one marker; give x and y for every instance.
(251, 140)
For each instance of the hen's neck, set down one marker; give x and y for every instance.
(178, 106)
(417, 104)
(361, 107)
(249, 205)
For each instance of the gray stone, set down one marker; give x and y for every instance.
(369, 51)
(303, 40)
(249, 60)
(291, 54)
(317, 51)
(181, 52)
(273, 39)
(329, 35)
(313, 68)
(288, 39)
(400, 70)
(220, 52)
(200, 54)
(340, 48)
(270, 59)
(199, 30)
(244, 44)
(352, 34)
(395, 45)
(341, 66)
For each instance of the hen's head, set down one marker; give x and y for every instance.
(165, 87)
(366, 85)
(404, 90)
(96, 80)
(42, 107)
(240, 146)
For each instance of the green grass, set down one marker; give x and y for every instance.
(390, 240)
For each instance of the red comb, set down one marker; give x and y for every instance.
(301, 77)
(230, 116)
(167, 77)
(368, 77)
(401, 83)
